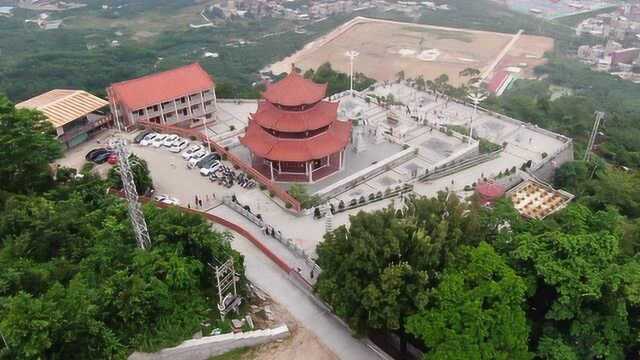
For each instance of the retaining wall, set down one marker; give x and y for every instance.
(547, 167)
(209, 346)
(367, 173)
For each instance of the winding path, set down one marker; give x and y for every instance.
(263, 272)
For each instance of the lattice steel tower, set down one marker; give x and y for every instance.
(128, 185)
(593, 136)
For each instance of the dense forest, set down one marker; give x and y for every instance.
(73, 284)
(461, 281)
(84, 58)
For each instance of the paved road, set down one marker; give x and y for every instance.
(265, 274)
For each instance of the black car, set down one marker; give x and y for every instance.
(95, 152)
(102, 157)
(141, 136)
(207, 160)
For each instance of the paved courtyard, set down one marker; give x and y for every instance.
(525, 143)
(354, 161)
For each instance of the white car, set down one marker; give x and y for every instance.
(179, 145)
(158, 140)
(196, 157)
(208, 170)
(166, 199)
(168, 142)
(190, 151)
(147, 140)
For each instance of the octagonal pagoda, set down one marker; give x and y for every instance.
(295, 135)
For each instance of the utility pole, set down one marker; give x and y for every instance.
(351, 54)
(227, 293)
(594, 135)
(4, 340)
(136, 216)
(476, 97)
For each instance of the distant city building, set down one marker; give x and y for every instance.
(75, 114)
(183, 96)
(6, 11)
(624, 56)
(295, 135)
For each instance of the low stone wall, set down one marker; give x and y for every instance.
(209, 346)
(545, 169)
(367, 173)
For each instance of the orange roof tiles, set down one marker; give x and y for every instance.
(295, 90)
(270, 147)
(163, 86)
(320, 115)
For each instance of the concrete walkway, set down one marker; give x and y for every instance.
(287, 255)
(265, 274)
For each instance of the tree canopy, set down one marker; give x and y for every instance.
(463, 281)
(28, 146)
(74, 284)
(141, 175)
(476, 312)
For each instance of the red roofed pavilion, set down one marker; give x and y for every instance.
(295, 135)
(184, 95)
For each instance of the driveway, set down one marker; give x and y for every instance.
(265, 274)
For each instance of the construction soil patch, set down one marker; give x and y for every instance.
(302, 344)
(387, 47)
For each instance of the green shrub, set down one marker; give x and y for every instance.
(87, 167)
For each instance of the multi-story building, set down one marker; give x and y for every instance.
(76, 115)
(184, 97)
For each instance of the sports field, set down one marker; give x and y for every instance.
(387, 47)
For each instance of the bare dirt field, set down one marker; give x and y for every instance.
(302, 344)
(528, 50)
(386, 47)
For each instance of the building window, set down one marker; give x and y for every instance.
(208, 116)
(155, 107)
(183, 100)
(195, 107)
(140, 112)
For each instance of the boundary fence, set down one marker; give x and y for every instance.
(230, 225)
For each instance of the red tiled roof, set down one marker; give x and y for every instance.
(295, 90)
(490, 190)
(497, 80)
(270, 147)
(318, 116)
(156, 88)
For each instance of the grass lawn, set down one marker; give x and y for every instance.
(237, 354)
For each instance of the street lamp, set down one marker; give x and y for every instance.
(476, 97)
(351, 54)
